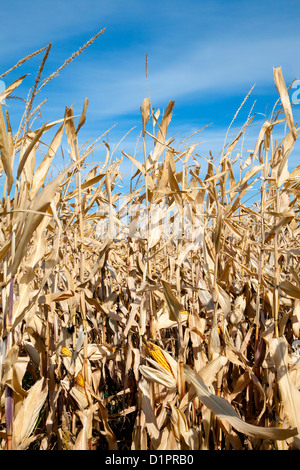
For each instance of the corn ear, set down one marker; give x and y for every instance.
(158, 356)
(80, 380)
(66, 352)
(184, 312)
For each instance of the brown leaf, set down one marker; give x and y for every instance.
(145, 110)
(290, 289)
(289, 394)
(29, 412)
(173, 304)
(82, 118)
(6, 157)
(222, 409)
(285, 100)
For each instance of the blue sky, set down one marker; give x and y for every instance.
(204, 55)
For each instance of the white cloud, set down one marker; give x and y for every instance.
(117, 85)
(198, 51)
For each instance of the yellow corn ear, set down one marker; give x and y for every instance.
(66, 352)
(80, 380)
(158, 356)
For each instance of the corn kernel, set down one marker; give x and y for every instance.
(158, 356)
(66, 352)
(80, 380)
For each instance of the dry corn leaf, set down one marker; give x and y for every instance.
(145, 110)
(43, 168)
(150, 417)
(141, 169)
(208, 372)
(289, 394)
(181, 429)
(223, 410)
(32, 352)
(285, 100)
(162, 132)
(5, 152)
(8, 90)
(290, 289)
(159, 375)
(81, 396)
(85, 435)
(262, 133)
(110, 436)
(28, 414)
(82, 118)
(10, 359)
(156, 229)
(71, 133)
(287, 146)
(175, 189)
(238, 312)
(280, 224)
(56, 297)
(15, 379)
(26, 150)
(40, 205)
(173, 304)
(295, 319)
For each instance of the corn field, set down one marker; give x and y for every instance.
(165, 318)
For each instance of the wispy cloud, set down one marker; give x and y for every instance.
(204, 55)
(116, 84)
